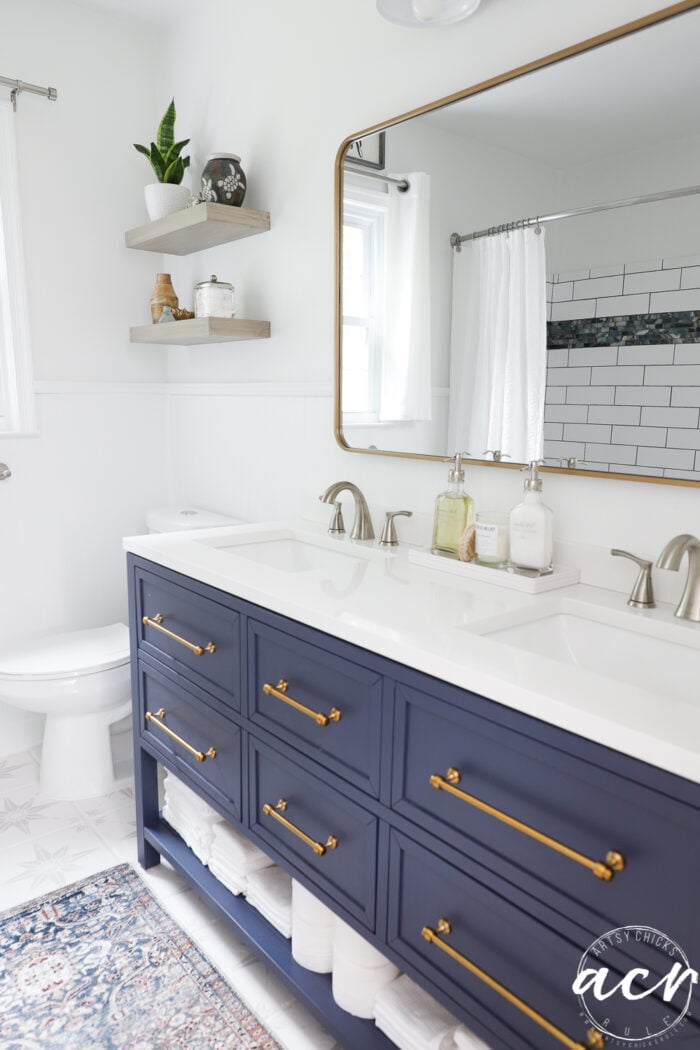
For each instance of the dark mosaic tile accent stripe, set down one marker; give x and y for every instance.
(681, 326)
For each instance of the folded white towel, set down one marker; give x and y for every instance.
(270, 891)
(198, 840)
(413, 1019)
(466, 1040)
(236, 883)
(231, 846)
(176, 791)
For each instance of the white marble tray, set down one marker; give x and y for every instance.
(498, 577)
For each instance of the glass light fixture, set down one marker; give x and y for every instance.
(423, 14)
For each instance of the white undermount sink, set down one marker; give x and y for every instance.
(658, 656)
(289, 550)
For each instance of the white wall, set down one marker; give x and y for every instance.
(99, 458)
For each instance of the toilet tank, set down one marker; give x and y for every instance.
(177, 519)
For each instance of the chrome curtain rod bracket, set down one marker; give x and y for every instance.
(402, 185)
(18, 86)
(457, 239)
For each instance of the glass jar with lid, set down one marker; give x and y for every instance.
(213, 298)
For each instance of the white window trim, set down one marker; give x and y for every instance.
(15, 346)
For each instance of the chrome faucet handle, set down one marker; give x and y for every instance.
(496, 453)
(389, 537)
(642, 596)
(337, 524)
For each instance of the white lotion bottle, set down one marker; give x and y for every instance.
(532, 528)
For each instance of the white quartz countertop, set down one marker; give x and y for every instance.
(429, 621)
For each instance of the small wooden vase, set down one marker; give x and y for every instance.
(163, 295)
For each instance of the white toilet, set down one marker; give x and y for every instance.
(81, 681)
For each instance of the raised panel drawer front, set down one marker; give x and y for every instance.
(193, 635)
(506, 970)
(326, 705)
(198, 741)
(485, 788)
(315, 828)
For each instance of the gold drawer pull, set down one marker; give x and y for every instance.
(280, 691)
(157, 621)
(614, 861)
(595, 1040)
(199, 755)
(319, 848)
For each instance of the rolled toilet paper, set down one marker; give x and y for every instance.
(359, 971)
(312, 931)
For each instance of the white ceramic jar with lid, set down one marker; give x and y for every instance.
(213, 298)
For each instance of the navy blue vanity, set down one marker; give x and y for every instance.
(480, 849)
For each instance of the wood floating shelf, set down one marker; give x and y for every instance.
(199, 330)
(194, 229)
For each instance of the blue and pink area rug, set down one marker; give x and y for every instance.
(99, 965)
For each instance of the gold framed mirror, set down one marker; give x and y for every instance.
(521, 276)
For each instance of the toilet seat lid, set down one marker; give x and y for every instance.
(67, 655)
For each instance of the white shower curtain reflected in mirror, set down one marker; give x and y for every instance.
(498, 360)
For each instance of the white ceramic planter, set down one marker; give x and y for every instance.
(163, 198)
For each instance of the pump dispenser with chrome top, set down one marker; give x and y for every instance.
(454, 511)
(532, 528)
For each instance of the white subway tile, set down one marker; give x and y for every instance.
(697, 460)
(562, 291)
(566, 414)
(569, 376)
(690, 277)
(645, 472)
(557, 358)
(573, 275)
(681, 459)
(643, 395)
(645, 264)
(564, 449)
(622, 435)
(653, 281)
(662, 302)
(553, 431)
(686, 395)
(659, 354)
(629, 375)
(592, 289)
(683, 438)
(670, 417)
(555, 395)
(608, 271)
(590, 395)
(687, 354)
(551, 278)
(611, 453)
(593, 355)
(620, 305)
(573, 311)
(622, 414)
(588, 464)
(674, 375)
(688, 475)
(681, 260)
(587, 432)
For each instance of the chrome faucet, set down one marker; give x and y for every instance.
(642, 596)
(670, 558)
(362, 525)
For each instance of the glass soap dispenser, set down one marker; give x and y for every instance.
(454, 511)
(532, 528)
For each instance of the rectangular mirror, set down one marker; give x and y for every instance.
(518, 266)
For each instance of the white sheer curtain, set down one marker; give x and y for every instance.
(498, 356)
(405, 392)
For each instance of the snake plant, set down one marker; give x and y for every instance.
(164, 153)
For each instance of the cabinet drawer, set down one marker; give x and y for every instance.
(208, 750)
(194, 636)
(571, 801)
(331, 840)
(488, 931)
(327, 706)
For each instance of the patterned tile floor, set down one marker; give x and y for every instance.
(46, 844)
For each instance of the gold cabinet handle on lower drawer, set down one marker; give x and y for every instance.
(319, 848)
(595, 1040)
(280, 691)
(614, 861)
(157, 623)
(201, 756)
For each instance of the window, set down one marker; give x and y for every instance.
(16, 381)
(364, 222)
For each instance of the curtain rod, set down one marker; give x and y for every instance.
(457, 239)
(34, 89)
(402, 184)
